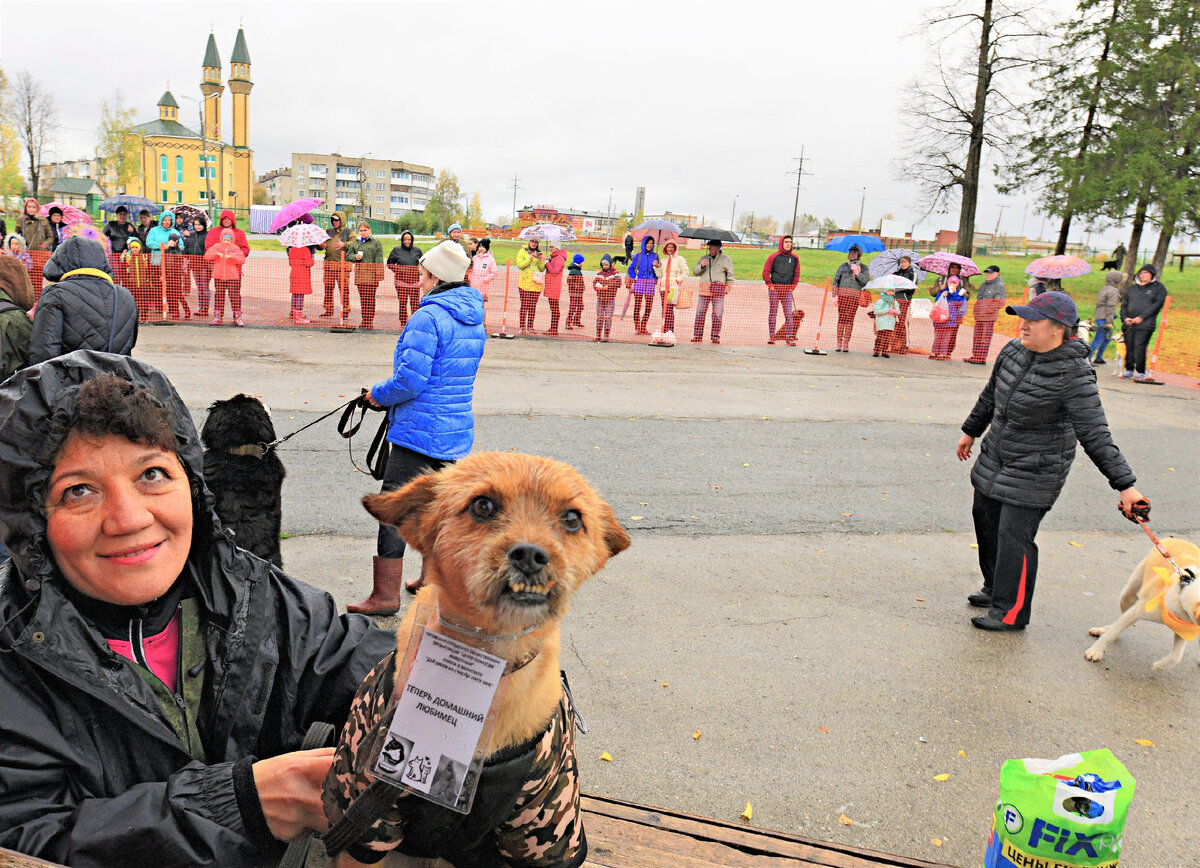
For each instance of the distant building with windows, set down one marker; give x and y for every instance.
(379, 189)
(278, 184)
(181, 165)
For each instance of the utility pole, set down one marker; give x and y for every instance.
(515, 188)
(733, 214)
(799, 173)
(996, 231)
(861, 207)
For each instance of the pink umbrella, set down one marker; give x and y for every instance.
(939, 263)
(292, 211)
(1058, 267)
(71, 214)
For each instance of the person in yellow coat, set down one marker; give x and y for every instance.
(532, 267)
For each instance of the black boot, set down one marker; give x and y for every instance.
(981, 599)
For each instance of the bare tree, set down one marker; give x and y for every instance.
(960, 110)
(36, 119)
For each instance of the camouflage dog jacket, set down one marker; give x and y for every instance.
(526, 808)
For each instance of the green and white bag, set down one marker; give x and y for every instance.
(1063, 813)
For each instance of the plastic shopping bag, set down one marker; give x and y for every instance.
(940, 312)
(1063, 813)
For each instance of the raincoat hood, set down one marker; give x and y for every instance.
(781, 240)
(25, 207)
(646, 242)
(338, 214)
(409, 236)
(233, 218)
(1150, 268)
(35, 404)
(76, 252)
(460, 300)
(14, 282)
(167, 215)
(20, 241)
(1113, 278)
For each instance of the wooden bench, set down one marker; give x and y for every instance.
(626, 835)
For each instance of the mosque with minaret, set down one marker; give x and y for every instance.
(180, 165)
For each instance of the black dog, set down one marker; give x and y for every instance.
(247, 481)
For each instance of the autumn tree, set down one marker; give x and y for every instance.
(958, 113)
(443, 208)
(11, 182)
(35, 117)
(117, 150)
(474, 211)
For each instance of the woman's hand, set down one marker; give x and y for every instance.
(370, 399)
(963, 450)
(1133, 505)
(289, 789)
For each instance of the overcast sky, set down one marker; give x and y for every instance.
(698, 102)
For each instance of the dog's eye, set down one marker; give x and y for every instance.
(483, 508)
(572, 521)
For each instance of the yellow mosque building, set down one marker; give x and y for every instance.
(182, 166)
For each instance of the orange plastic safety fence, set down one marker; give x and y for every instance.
(269, 290)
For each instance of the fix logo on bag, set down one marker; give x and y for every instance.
(1047, 834)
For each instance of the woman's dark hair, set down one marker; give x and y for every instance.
(110, 405)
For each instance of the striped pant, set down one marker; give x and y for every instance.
(1008, 555)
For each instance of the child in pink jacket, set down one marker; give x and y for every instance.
(227, 259)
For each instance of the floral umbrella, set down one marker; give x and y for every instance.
(303, 235)
(547, 232)
(939, 263)
(71, 214)
(185, 214)
(1058, 267)
(891, 281)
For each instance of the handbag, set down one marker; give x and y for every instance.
(539, 277)
(685, 298)
(864, 298)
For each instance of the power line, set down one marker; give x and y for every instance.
(515, 188)
(799, 173)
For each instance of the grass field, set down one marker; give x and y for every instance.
(817, 265)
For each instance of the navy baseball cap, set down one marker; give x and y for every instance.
(1054, 305)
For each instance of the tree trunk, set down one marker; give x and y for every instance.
(1135, 237)
(1065, 229)
(970, 194)
(1164, 241)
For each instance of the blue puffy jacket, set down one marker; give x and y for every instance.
(429, 393)
(641, 269)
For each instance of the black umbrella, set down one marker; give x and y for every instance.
(708, 233)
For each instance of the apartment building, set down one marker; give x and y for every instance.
(381, 189)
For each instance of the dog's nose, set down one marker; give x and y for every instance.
(528, 558)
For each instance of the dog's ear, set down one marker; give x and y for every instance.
(614, 535)
(404, 508)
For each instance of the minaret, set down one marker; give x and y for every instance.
(212, 89)
(168, 109)
(240, 86)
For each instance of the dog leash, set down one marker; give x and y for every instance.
(377, 454)
(1184, 575)
(267, 447)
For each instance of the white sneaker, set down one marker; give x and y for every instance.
(656, 338)
(669, 338)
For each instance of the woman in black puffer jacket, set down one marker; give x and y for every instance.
(1041, 396)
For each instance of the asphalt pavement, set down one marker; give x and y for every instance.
(795, 592)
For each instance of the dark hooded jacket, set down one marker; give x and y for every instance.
(781, 271)
(92, 770)
(401, 255)
(83, 309)
(1036, 405)
(1144, 301)
(119, 233)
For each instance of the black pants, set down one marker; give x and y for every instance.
(1008, 555)
(403, 466)
(1137, 340)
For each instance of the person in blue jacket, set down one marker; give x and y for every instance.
(645, 279)
(428, 399)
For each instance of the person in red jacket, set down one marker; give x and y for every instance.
(300, 281)
(228, 221)
(781, 272)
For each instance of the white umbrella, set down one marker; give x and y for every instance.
(891, 281)
(303, 235)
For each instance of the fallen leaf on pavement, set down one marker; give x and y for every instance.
(1144, 742)
(606, 756)
(962, 753)
(974, 545)
(822, 729)
(666, 684)
(941, 777)
(937, 842)
(748, 814)
(1077, 545)
(636, 517)
(920, 599)
(696, 735)
(844, 820)
(847, 514)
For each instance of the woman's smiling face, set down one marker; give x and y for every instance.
(119, 518)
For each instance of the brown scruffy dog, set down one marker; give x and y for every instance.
(506, 540)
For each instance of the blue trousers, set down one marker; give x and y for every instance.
(1100, 339)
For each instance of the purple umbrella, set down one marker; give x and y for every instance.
(1058, 267)
(939, 263)
(293, 211)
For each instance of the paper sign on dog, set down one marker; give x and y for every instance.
(440, 716)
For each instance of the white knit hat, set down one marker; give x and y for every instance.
(447, 262)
